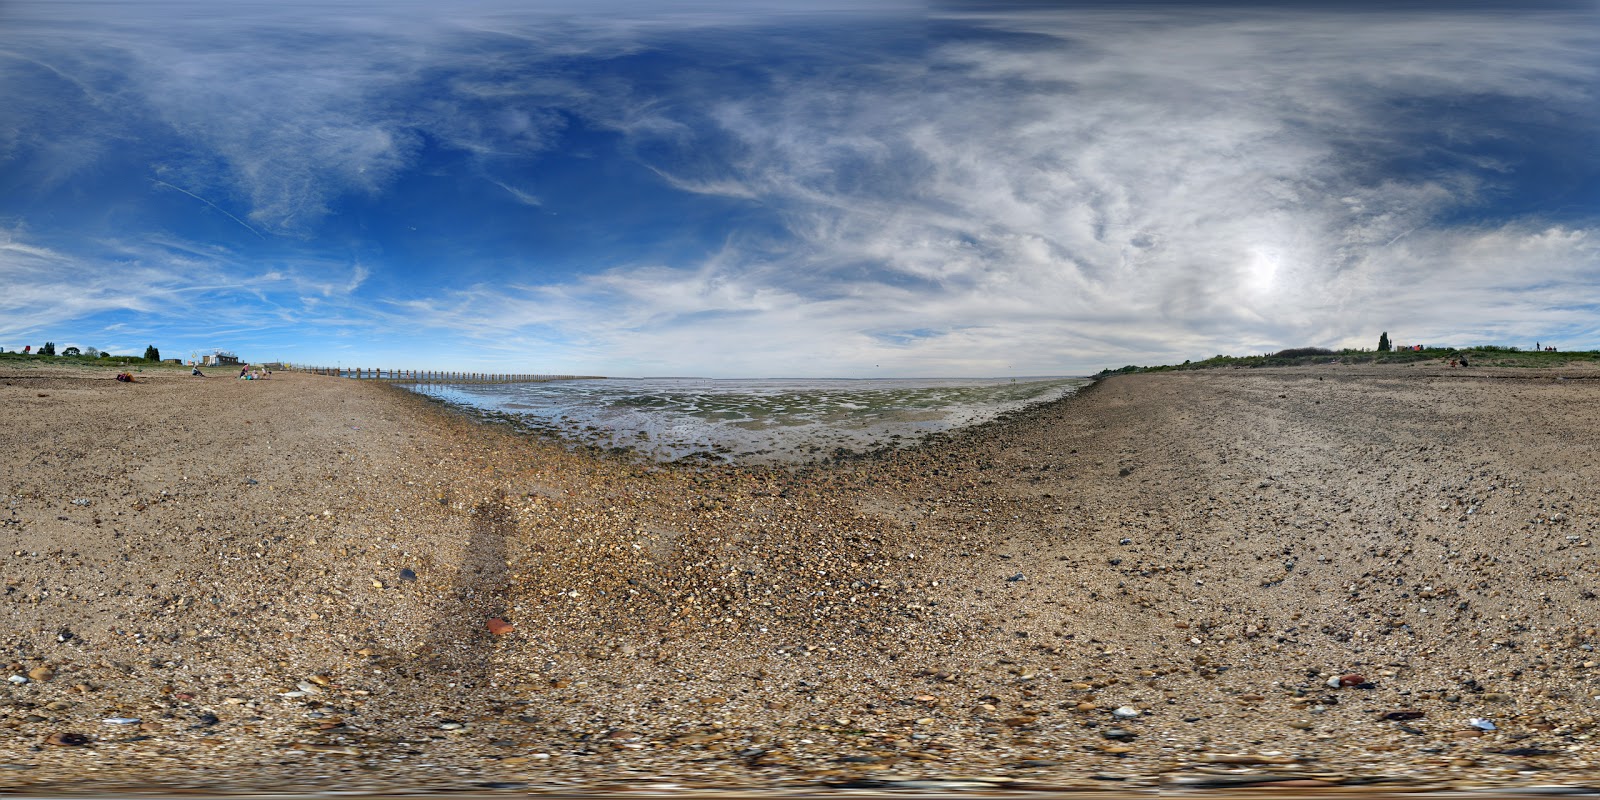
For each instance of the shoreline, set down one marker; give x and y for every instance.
(821, 446)
(1205, 550)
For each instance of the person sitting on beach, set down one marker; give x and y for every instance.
(125, 377)
(196, 371)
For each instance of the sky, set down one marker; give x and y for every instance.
(772, 188)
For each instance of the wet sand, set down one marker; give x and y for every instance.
(284, 585)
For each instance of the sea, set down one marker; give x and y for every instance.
(768, 421)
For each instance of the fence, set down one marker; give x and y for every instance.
(432, 376)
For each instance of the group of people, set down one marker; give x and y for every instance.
(245, 373)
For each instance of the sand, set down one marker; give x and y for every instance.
(287, 585)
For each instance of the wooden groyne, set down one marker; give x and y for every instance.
(433, 376)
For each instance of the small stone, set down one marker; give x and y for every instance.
(1125, 712)
(1347, 681)
(452, 725)
(122, 720)
(500, 627)
(41, 674)
(1482, 724)
(1467, 734)
(1015, 578)
(67, 739)
(17, 679)
(407, 575)
(1018, 722)
(1119, 735)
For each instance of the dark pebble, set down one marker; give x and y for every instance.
(407, 575)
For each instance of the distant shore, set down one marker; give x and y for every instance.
(286, 585)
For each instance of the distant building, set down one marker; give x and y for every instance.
(219, 358)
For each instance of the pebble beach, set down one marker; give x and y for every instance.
(1308, 579)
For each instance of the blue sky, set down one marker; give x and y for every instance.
(762, 189)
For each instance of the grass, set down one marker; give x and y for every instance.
(119, 363)
(1478, 356)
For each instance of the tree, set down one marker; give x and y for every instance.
(1383, 343)
(152, 353)
(91, 352)
(72, 351)
(49, 349)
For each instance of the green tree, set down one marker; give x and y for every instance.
(1383, 343)
(72, 351)
(152, 353)
(91, 352)
(49, 349)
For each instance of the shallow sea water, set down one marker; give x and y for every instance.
(750, 421)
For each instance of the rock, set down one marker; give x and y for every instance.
(1119, 735)
(1017, 577)
(1404, 714)
(500, 627)
(407, 575)
(1482, 724)
(1347, 681)
(1125, 712)
(41, 674)
(67, 739)
(122, 720)
(17, 679)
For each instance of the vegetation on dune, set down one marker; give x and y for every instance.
(90, 357)
(1477, 356)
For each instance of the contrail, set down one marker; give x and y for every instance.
(213, 205)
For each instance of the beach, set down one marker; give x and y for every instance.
(305, 583)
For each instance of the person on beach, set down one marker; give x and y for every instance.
(196, 371)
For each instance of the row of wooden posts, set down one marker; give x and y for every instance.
(433, 376)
